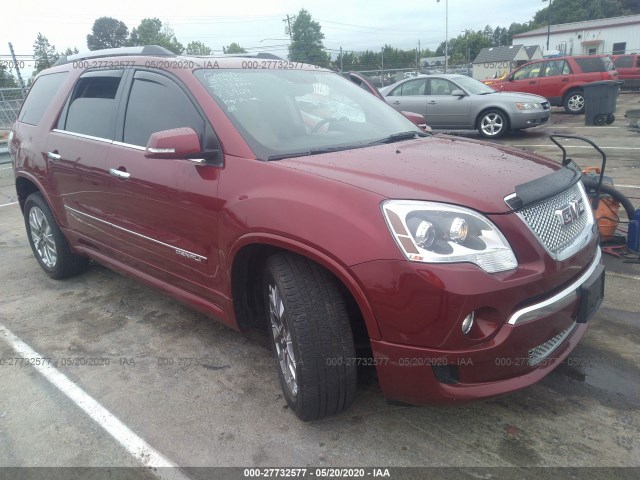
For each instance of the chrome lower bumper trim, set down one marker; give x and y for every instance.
(558, 301)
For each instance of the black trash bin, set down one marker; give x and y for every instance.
(600, 102)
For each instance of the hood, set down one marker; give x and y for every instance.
(519, 96)
(439, 168)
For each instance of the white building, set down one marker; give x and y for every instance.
(606, 35)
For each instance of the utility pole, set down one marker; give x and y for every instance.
(15, 64)
(382, 66)
(341, 59)
(446, 34)
(288, 20)
(418, 59)
(548, 25)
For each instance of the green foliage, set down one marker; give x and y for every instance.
(6, 78)
(306, 41)
(70, 51)
(567, 11)
(152, 32)
(369, 60)
(233, 48)
(198, 48)
(44, 54)
(107, 32)
(466, 46)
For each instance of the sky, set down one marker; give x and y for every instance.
(354, 25)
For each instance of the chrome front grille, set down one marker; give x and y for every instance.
(543, 351)
(560, 237)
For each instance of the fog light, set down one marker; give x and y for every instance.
(467, 323)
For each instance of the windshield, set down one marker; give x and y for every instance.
(283, 113)
(473, 86)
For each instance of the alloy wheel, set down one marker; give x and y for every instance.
(492, 124)
(282, 339)
(42, 237)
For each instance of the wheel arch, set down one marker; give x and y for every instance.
(573, 88)
(246, 263)
(25, 186)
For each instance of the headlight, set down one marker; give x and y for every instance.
(432, 232)
(528, 106)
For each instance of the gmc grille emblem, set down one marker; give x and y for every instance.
(571, 212)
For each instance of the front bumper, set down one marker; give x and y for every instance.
(527, 119)
(510, 351)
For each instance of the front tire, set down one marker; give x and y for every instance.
(574, 102)
(311, 336)
(47, 242)
(493, 123)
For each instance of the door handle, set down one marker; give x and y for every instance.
(119, 173)
(54, 156)
(432, 102)
(396, 102)
(532, 83)
(564, 80)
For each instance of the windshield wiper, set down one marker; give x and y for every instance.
(314, 151)
(398, 137)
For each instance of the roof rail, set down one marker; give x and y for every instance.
(270, 56)
(152, 50)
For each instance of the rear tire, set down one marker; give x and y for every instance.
(311, 336)
(574, 102)
(47, 242)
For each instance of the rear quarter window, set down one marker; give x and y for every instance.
(590, 65)
(624, 62)
(42, 92)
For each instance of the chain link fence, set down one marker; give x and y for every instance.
(10, 102)
(381, 78)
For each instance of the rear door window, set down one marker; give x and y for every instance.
(412, 87)
(556, 67)
(42, 92)
(91, 109)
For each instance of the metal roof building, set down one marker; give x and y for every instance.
(495, 62)
(606, 35)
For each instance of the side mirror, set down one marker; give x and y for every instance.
(458, 93)
(510, 78)
(174, 143)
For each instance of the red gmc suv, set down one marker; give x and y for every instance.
(276, 194)
(560, 79)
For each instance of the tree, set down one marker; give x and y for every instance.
(233, 48)
(152, 32)
(70, 51)
(44, 54)
(306, 41)
(107, 32)
(6, 78)
(566, 11)
(198, 48)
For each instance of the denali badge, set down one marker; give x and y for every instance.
(189, 255)
(571, 212)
